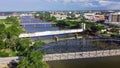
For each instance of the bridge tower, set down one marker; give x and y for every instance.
(83, 26)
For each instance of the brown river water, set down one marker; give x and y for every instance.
(106, 62)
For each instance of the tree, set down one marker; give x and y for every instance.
(2, 31)
(96, 28)
(33, 59)
(9, 32)
(38, 43)
(2, 44)
(53, 19)
(11, 43)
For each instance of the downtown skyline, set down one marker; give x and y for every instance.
(46, 5)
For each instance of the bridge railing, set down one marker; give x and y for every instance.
(78, 55)
(66, 56)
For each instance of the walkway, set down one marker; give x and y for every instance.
(66, 56)
(80, 55)
(7, 60)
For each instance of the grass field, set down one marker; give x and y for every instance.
(2, 21)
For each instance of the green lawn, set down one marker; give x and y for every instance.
(2, 21)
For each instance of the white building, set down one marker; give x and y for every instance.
(77, 15)
(114, 18)
(3, 17)
(89, 16)
(94, 17)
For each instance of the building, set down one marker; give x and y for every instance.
(77, 15)
(3, 17)
(89, 16)
(114, 18)
(93, 17)
(99, 17)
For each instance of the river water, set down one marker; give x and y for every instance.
(106, 62)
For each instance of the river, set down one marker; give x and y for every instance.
(106, 62)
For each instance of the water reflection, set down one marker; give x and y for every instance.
(31, 24)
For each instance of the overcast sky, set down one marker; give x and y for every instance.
(40, 5)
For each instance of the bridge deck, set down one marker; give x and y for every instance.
(80, 55)
(45, 33)
(35, 23)
(66, 56)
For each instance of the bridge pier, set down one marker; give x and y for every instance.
(38, 38)
(56, 38)
(76, 36)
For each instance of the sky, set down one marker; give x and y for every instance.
(44, 5)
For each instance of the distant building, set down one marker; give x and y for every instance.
(77, 15)
(114, 18)
(99, 17)
(93, 17)
(3, 17)
(89, 16)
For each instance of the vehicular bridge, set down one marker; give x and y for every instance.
(45, 33)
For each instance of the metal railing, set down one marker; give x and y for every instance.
(66, 56)
(78, 55)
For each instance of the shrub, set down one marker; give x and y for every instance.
(3, 54)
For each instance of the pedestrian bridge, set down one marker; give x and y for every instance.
(81, 48)
(81, 55)
(46, 33)
(67, 56)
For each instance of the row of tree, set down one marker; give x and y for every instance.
(45, 16)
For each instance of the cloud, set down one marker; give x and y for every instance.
(59, 4)
(110, 4)
(92, 3)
